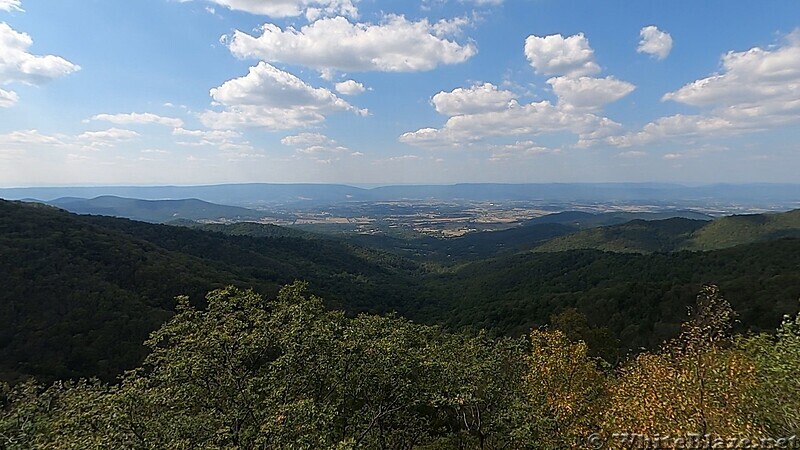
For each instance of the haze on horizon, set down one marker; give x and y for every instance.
(173, 92)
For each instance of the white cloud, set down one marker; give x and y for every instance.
(397, 45)
(519, 149)
(655, 42)
(313, 144)
(632, 154)
(758, 89)
(8, 98)
(271, 98)
(476, 99)
(589, 93)
(514, 120)
(767, 80)
(107, 137)
(677, 126)
(556, 55)
(290, 8)
(27, 138)
(350, 87)
(138, 118)
(484, 112)
(452, 27)
(11, 5)
(17, 65)
(318, 147)
(207, 135)
(404, 158)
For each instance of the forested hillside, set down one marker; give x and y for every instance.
(640, 298)
(671, 235)
(82, 292)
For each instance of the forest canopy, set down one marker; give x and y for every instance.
(247, 372)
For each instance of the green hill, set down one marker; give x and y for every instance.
(156, 211)
(743, 229)
(640, 298)
(680, 234)
(471, 246)
(637, 236)
(81, 293)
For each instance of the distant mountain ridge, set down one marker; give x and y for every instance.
(582, 219)
(265, 193)
(154, 211)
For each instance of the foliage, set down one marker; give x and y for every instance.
(563, 392)
(697, 383)
(778, 360)
(249, 373)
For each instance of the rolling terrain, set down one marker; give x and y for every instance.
(677, 234)
(305, 193)
(82, 292)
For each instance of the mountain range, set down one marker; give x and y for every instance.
(265, 194)
(82, 292)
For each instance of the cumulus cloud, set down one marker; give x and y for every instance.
(8, 98)
(318, 147)
(290, 8)
(476, 99)
(350, 87)
(138, 118)
(17, 65)
(397, 45)
(752, 82)
(11, 5)
(470, 124)
(271, 98)
(557, 55)
(655, 42)
(589, 93)
(756, 90)
(313, 144)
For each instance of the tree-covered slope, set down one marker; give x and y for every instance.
(80, 293)
(637, 236)
(677, 234)
(639, 298)
(744, 229)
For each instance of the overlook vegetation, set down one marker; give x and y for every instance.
(249, 373)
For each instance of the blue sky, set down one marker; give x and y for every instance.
(433, 91)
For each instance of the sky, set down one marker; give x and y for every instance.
(121, 92)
